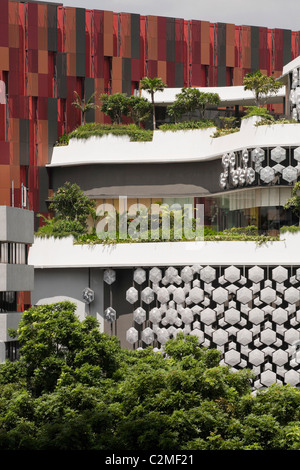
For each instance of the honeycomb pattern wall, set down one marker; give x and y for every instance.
(249, 313)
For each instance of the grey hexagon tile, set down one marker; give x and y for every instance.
(242, 281)
(292, 377)
(279, 274)
(196, 309)
(171, 274)
(163, 295)
(232, 357)
(268, 295)
(220, 337)
(256, 357)
(132, 295)
(220, 295)
(162, 335)
(196, 283)
(155, 275)
(291, 336)
(170, 317)
(179, 295)
(208, 316)
(132, 335)
(268, 378)
(244, 295)
(139, 275)
(244, 336)
(187, 316)
(148, 335)
(290, 174)
(232, 316)
(155, 315)
(187, 274)
(222, 280)
(196, 295)
(206, 302)
(139, 315)
(256, 315)
(109, 276)
(280, 357)
(256, 274)
(232, 274)
(279, 315)
(232, 288)
(278, 154)
(208, 274)
(268, 336)
(147, 295)
(291, 295)
(196, 268)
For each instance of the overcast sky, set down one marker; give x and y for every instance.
(269, 13)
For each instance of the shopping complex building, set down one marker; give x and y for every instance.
(239, 297)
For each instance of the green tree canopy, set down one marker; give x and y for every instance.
(70, 203)
(74, 388)
(152, 86)
(139, 109)
(191, 99)
(262, 86)
(115, 106)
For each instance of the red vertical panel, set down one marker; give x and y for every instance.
(88, 43)
(179, 40)
(171, 74)
(98, 44)
(32, 26)
(4, 23)
(161, 38)
(59, 29)
(142, 46)
(152, 69)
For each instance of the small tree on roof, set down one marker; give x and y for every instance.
(83, 105)
(152, 85)
(293, 202)
(262, 86)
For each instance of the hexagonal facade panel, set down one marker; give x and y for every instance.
(132, 335)
(208, 316)
(155, 315)
(109, 276)
(139, 315)
(139, 275)
(148, 335)
(220, 295)
(232, 316)
(196, 295)
(155, 275)
(132, 295)
(220, 337)
(232, 274)
(268, 295)
(291, 295)
(187, 274)
(244, 295)
(179, 295)
(256, 316)
(256, 274)
(208, 274)
(147, 295)
(163, 295)
(232, 357)
(290, 174)
(278, 154)
(279, 274)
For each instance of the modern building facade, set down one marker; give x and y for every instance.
(16, 275)
(47, 51)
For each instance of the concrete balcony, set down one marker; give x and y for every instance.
(16, 277)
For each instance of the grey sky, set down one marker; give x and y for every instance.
(269, 13)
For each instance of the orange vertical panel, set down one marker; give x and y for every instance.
(246, 47)
(4, 58)
(70, 44)
(152, 37)
(125, 35)
(99, 89)
(4, 176)
(205, 53)
(5, 197)
(43, 61)
(162, 70)
(108, 43)
(13, 26)
(15, 175)
(230, 45)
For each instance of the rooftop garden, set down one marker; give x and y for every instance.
(72, 208)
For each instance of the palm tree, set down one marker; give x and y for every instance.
(152, 85)
(83, 106)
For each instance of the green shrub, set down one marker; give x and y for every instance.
(186, 125)
(136, 133)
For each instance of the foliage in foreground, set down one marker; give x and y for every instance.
(74, 388)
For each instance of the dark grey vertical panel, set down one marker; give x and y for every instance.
(80, 42)
(89, 89)
(135, 36)
(222, 76)
(24, 141)
(221, 45)
(170, 33)
(52, 27)
(126, 76)
(43, 188)
(179, 75)
(254, 48)
(61, 74)
(287, 38)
